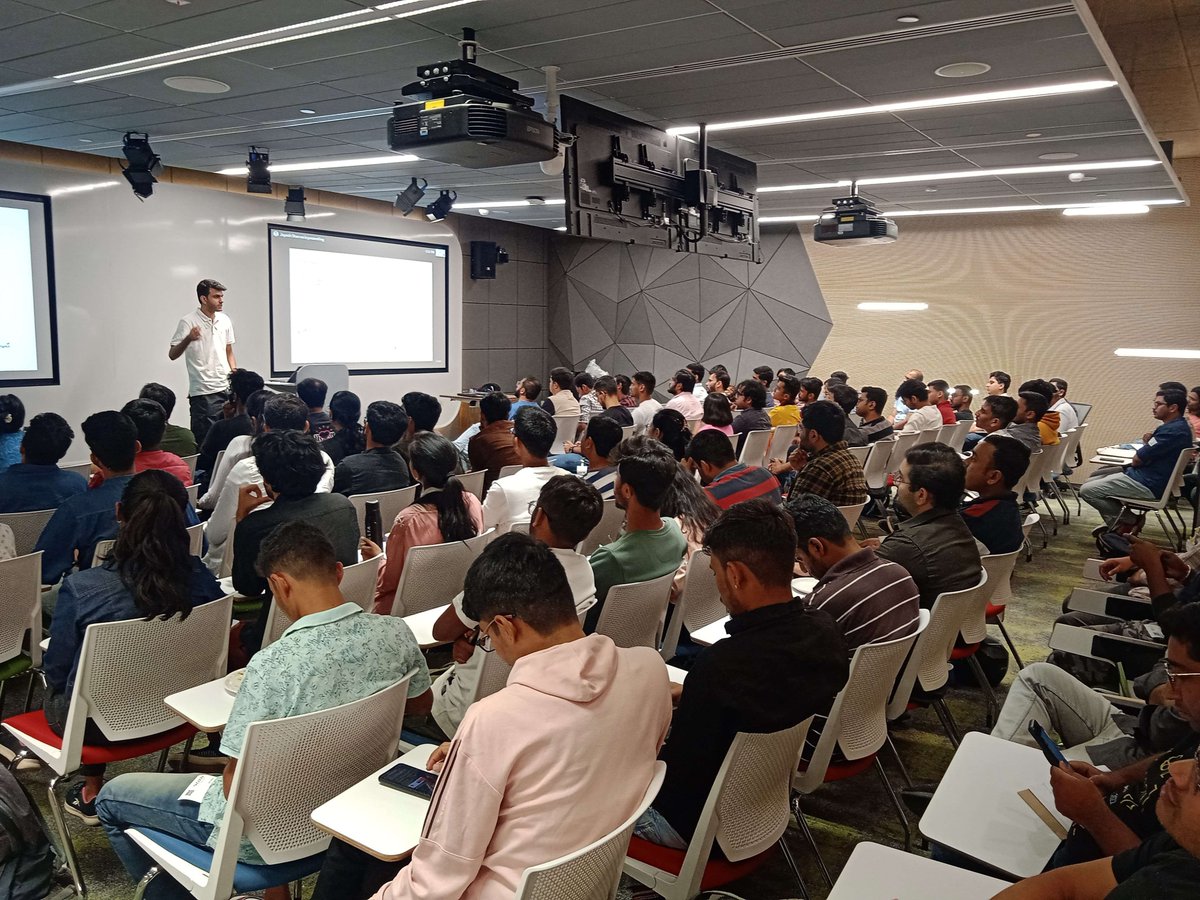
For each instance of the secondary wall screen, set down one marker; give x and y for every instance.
(375, 304)
(28, 351)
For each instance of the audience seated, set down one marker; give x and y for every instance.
(562, 400)
(380, 467)
(589, 403)
(606, 395)
(423, 411)
(670, 428)
(699, 388)
(751, 399)
(237, 450)
(683, 398)
(933, 544)
(642, 387)
(624, 385)
(785, 411)
(717, 415)
(1048, 422)
(839, 376)
(922, 415)
(810, 390)
(234, 423)
(281, 412)
(1193, 410)
(939, 397)
(566, 512)
(693, 508)
(528, 777)
(718, 381)
(997, 383)
(304, 671)
(149, 419)
(869, 409)
(176, 438)
(871, 599)
(492, 448)
(995, 414)
(602, 437)
(728, 481)
(780, 664)
(765, 376)
(148, 573)
(508, 499)
(1067, 417)
(36, 482)
(822, 462)
(650, 546)
(443, 512)
(528, 390)
(847, 398)
(1149, 472)
(901, 408)
(12, 417)
(345, 410)
(312, 391)
(992, 471)
(960, 402)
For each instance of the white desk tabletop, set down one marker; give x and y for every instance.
(421, 625)
(205, 706)
(977, 812)
(710, 634)
(378, 820)
(875, 872)
(676, 675)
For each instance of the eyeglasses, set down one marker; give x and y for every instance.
(1173, 677)
(898, 478)
(533, 504)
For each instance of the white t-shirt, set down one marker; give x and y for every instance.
(207, 365)
(643, 414)
(1067, 417)
(238, 449)
(455, 688)
(927, 418)
(507, 500)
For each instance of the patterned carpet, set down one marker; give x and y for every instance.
(840, 814)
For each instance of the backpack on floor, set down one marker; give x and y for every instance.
(27, 861)
(993, 658)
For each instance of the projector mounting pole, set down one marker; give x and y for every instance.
(469, 45)
(703, 169)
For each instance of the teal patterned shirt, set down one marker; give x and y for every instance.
(323, 660)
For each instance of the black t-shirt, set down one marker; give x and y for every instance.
(619, 414)
(1157, 868)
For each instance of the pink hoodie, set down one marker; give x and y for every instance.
(554, 761)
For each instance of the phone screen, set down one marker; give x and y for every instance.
(411, 780)
(1049, 749)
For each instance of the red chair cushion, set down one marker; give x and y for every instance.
(964, 652)
(842, 769)
(35, 725)
(993, 611)
(718, 871)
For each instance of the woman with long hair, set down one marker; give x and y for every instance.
(670, 427)
(443, 512)
(718, 414)
(345, 410)
(690, 505)
(149, 573)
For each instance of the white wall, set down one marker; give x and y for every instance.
(126, 271)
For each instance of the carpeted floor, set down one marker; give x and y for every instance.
(841, 814)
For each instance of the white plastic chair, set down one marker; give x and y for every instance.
(876, 468)
(358, 587)
(781, 441)
(592, 872)
(956, 438)
(21, 616)
(81, 468)
(566, 427)
(390, 504)
(1000, 571)
(607, 530)
(1160, 506)
(857, 726)
(193, 493)
(26, 527)
(694, 424)
(698, 605)
(472, 482)
(627, 432)
(505, 471)
(745, 814)
(120, 683)
(191, 462)
(433, 574)
(633, 614)
(274, 790)
(851, 513)
(973, 630)
(195, 544)
(754, 448)
(860, 453)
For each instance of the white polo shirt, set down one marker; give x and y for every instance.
(207, 366)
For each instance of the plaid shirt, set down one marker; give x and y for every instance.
(835, 474)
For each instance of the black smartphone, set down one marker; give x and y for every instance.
(403, 777)
(1049, 749)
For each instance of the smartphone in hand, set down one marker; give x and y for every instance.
(1049, 749)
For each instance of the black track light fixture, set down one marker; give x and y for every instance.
(142, 163)
(440, 208)
(294, 205)
(407, 201)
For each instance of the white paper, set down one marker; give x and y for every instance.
(197, 789)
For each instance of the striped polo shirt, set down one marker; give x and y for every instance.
(872, 599)
(742, 482)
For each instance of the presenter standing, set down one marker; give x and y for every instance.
(204, 338)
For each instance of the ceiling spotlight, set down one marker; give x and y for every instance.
(908, 20)
(962, 70)
(258, 172)
(294, 205)
(143, 163)
(308, 112)
(440, 208)
(407, 201)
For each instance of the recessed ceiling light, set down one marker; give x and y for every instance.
(1029, 207)
(962, 69)
(1063, 155)
(931, 190)
(560, 228)
(194, 84)
(1157, 354)
(328, 164)
(505, 204)
(484, 211)
(892, 306)
(1047, 90)
(908, 20)
(308, 112)
(1033, 134)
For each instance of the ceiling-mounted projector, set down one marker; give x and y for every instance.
(851, 220)
(469, 116)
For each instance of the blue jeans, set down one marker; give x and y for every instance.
(654, 828)
(150, 800)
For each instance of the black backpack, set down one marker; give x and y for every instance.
(27, 860)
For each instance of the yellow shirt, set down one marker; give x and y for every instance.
(784, 415)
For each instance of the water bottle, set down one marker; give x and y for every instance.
(374, 522)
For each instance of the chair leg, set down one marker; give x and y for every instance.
(1045, 536)
(1028, 550)
(187, 750)
(908, 782)
(60, 824)
(798, 812)
(150, 875)
(947, 720)
(162, 759)
(22, 754)
(887, 785)
(1050, 513)
(989, 695)
(29, 689)
(1062, 502)
(791, 862)
(1011, 646)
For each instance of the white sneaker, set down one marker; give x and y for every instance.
(28, 763)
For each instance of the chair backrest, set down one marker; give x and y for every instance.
(592, 872)
(101, 551)
(999, 567)
(21, 606)
(191, 462)
(493, 676)
(861, 453)
(358, 586)
(1027, 481)
(193, 492)
(567, 426)
(857, 722)
(505, 471)
(958, 436)
(754, 448)
(390, 504)
(851, 513)
(472, 482)
(607, 530)
(633, 614)
(216, 464)
(26, 527)
(701, 600)
(1173, 486)
(627, 432)
(1081, 410)
(875, 469)
(905, 441)
(289, 767)
(1070, 443)
(944, 432)
(781, 441)
(694, 424)
(433, 574)
(733, 443)
(196, 539)
(82, 468)
(122, 679)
